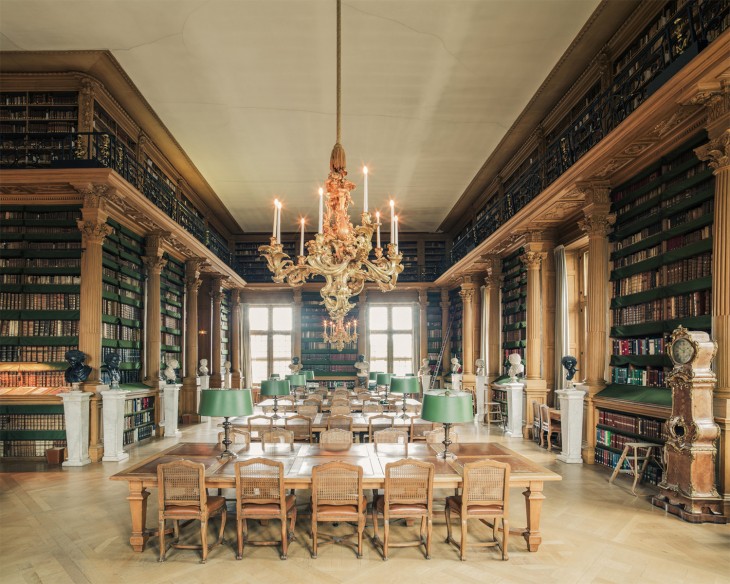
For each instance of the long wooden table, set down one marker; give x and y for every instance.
(360, 421)
(298, 465)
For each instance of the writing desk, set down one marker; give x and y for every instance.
(299, 460)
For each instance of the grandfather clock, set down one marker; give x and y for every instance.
(688, 487)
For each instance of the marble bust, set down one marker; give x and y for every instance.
(516, 368)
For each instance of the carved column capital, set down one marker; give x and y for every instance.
(95, 196)
(154, 263)
(154, 241)
(192, 274)
(235, 297)
(467, 295)
(423, 298)
(532, 259)
(595, 192)
(716, 103)
(716, 152)
(597, 224)
(94, 231)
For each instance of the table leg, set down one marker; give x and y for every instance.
(533, 504)
(138, 508)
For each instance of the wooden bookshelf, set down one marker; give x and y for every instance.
(456, 307)
(140, 415)
(434, 333)
(514, 307)
(172, 288)
(225, 324)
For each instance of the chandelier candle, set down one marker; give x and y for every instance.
(392, 220)
(365, 188)
(377, 221)
(321, 199)
(301, 239)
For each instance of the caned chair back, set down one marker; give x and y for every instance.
(287, 403)
(340, 410)
(322, 393)
(544, 414)
(277, 436)
(312, 402)
(409, 482)
(337, 483)
(343, 393)
(364, 395)
(413, 408)
(310, 411)
(391, 436)
(438, 435)
(237, 436)
(335, 439)
(379, 422)
(259, 481)
(341, 422)
(256, 424)
(372, 408)
(300, 426)
(419, 428)
(181, 483)
(270, 409)
(486, 482)
(340, 401)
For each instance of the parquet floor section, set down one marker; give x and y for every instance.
(72, 526)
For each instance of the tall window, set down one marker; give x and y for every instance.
(391, 339)
(270, 341)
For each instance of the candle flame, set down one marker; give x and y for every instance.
(364, 169)
(321, 191)
(392, 203)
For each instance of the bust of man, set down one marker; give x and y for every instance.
(515, 366)
(170, 374)
(77, 372)
(363, 371)
(295, 366)
(569, 362)
(226, 367)
(480, 367)
(455, 365)
(425, 368)
(203, 369)
(111, 364)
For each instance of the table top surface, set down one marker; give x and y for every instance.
(299, 460)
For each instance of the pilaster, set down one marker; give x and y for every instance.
(423, 327)
(235, 339)
(216, 295)
(446, 358)
(154, 263)
(596, 223)
(188, 395)
(494, 349)
(468, 289)
(297, 322)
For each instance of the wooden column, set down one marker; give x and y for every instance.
(717, 152)
(478, 279)
(154, 262)
(596, 223)
(494, 347)
(446, 360)
(547, 343)
(362, 324)
(188, 404)
(423, 325)
(468, 288)
(535, 384)
(235, 339)
(297, 324)
(216, 365)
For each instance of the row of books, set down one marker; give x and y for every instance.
(50, 127)
(636, 283)
(125, 355)
(706, 208)
(652, 474)
(175, 310)
(335, 368)
(32, 422)
(55, 354)
(687, 238)
(612, 439)
(170, 339)
(120, 332)
(512, 336)
(116, 308)
(170, 296)
(39, 244)
(40, 262)
(45, 230)
(685, 305)
(36, 301)
(29, 448)
(170, 321)
(138, 404)
(35, 328)
(648, 427)
(137, 434)
(638, 236)
(132, 420)
(649, 346)
(39, 98)
(32, 379)
(630, 375)
(514, 318)
(689, 269)
(315, 346)
(512, 305)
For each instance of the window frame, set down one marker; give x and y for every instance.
(270, 333)
(390, 332)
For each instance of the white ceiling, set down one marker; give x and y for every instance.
(247, 87)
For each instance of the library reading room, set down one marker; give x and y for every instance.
(479, 333)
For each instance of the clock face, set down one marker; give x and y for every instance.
(682, 351)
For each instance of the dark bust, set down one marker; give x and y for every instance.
(77, 371)
(569, 362)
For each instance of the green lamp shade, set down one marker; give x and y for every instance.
(225, 402)
(404, 385)
(309, 374)
(275, 387)
(374, 375)
(383, 378)
(447, 407)
(297, 380)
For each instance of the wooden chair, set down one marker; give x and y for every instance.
(395, 404)
(437, 436)
(335, 439)
(372, 408)
(338, 401)
(337, 497)
(301, 428)
(256, 424)
(408, 495)
(536, 422)
(341, 422)
(277, 436)
(341, 393)
(379, 422)
(270, 409)
(419, 428)
(322, 393)
(413, 409)
(363, 396)
(485, 496)
(493, 413)
(182, 497)
(237, 435)
(315, 403)
(549, 426)
(287, 403)
(260, 495)
(340, 410)
(310, 411)
(391, 436)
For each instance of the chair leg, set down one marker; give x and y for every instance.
(376, 533)
(386, 537)
(239, 534)
(429, 530)
(224, 517)
(463, 538)
(360, 529)
(314, 537)
(162, 541)
(284, 538)
(292, 522)
(505, 537)
(204, 539)
(447, 513)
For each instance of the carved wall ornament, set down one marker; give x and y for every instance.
(716, 152)
(467, 295)
(93, 231)
(532, 259)
(716, 102)
(597, 224)
(682, 114)
(96, 196)
(154, 264)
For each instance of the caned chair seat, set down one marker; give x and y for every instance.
(213, 505)
(300, 426)
(379, 422)
(277, 436)
(486, 510)
(339, 512)
(397, 508)
(268, 509)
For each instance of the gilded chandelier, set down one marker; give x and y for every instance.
(339, 333)
(339, 252)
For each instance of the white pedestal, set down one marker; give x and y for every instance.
(571, 424)
(514, 408)
(171, 393)
(204, 381)
(227, 378)
(113, 417)
(425, 382)
(480, 387)
(76, 414)
(456, 381)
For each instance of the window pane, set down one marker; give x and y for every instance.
(380, 365)
(258, 318)
(258, 347)
(402, 366)
(403, 345)
(259, 371)
(282, 368)
(402, 318)
(282, 318)
(378, 316)
(378, 347)
(282, 346)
